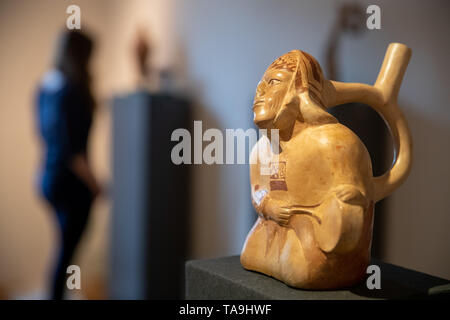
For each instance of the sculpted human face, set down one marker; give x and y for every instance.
(270, 95)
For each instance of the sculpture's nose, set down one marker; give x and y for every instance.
(260, 90)
(260, 108)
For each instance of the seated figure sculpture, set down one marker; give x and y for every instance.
(315, 203)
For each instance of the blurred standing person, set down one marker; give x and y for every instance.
(65, 108)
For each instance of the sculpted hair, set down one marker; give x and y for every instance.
(307, 72)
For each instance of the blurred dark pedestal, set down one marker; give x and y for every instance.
(225, 278)
(150, 198)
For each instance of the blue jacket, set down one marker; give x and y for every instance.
(64, 117)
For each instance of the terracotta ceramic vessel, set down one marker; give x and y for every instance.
(314, 191)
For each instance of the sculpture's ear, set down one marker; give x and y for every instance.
(312, 112)
(289, 110)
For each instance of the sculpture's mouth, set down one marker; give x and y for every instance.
(259, 107)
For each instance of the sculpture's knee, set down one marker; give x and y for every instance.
(253, 253)
(292, 267)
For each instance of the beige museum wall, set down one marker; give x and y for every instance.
(27, 231)
(28, 30)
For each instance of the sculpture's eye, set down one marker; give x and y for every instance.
(274, 81)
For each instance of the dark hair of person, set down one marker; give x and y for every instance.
(72, 56)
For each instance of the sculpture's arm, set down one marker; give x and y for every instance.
(265, 206)
(341, 219)
(338, 213)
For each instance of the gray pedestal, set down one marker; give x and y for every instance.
(224, 278)
(148, 227)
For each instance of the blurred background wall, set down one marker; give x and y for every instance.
(28, 30)
(219, 51)
(27, 231)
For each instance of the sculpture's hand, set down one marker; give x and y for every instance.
(351, 195)
(272, 209)
(282, 216)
